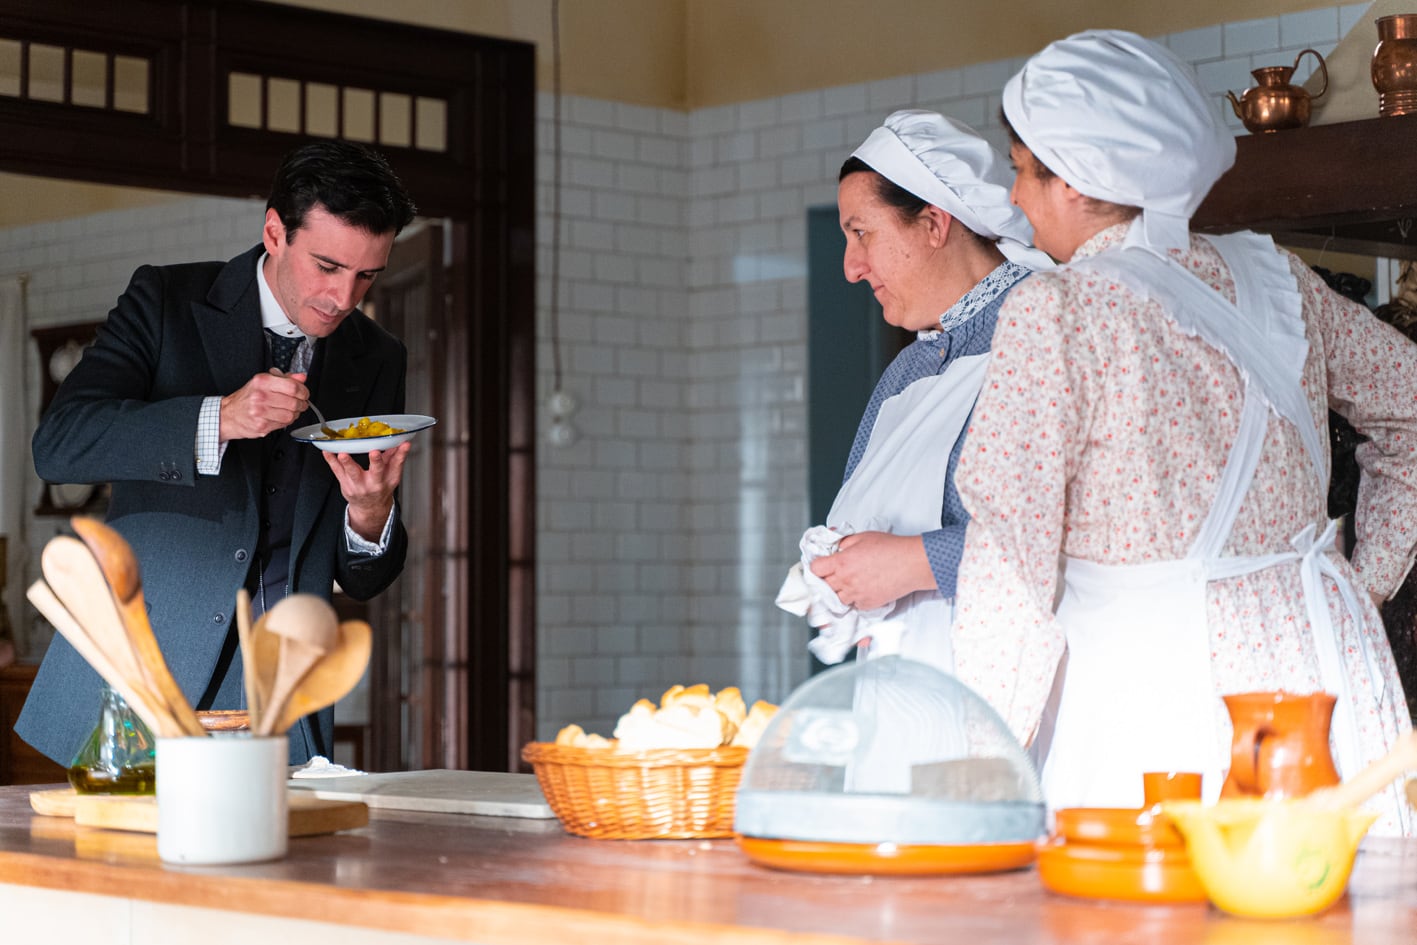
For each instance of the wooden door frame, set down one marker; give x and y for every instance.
(481, 176)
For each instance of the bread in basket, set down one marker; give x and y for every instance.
(671, 772)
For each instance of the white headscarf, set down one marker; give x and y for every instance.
(1121, 119)
(944, 162)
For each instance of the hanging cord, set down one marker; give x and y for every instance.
(562, 405)
(555, 312)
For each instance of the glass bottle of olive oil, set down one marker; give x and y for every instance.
(119, 755)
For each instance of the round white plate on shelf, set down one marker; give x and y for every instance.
(408, 423)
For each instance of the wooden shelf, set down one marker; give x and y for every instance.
(1347, 187)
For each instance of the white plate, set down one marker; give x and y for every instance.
(409, 423)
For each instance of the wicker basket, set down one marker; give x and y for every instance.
(662, 794)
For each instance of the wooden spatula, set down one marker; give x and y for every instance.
(1370, 780)
(120, 570)
(333, 675)
(307, 628)
(133, 688)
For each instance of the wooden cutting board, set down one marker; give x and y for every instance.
(308, 815)
(490, 793)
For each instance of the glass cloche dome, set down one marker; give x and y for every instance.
(869, 761)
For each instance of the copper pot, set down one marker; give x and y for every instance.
(1394, 65)
(1274, 103)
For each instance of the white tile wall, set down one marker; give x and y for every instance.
(665, 529)
(613, 544)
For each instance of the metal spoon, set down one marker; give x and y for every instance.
(122, 574)
(325, 428)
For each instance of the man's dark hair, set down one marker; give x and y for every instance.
(352, 182)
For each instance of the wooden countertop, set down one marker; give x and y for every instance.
(496, 880)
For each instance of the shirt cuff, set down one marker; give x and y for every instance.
(210, 448)
(356, 544)
(943, 549)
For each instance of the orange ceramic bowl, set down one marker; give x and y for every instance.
(1133, 874)
(887, 859)
(1116, 826)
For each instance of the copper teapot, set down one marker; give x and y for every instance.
(1274, 104)
(1280, 746)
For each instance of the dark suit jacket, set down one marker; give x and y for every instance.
(127, 414)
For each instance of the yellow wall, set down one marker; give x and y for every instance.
(688, 54)
(36, 199)
(745, 49)
(691, 54)
(621, 50)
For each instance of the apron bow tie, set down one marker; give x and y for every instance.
(1314, 565)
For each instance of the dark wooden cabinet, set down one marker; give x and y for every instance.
(1346, 187)
(19, 763)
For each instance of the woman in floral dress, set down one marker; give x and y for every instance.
(1147, 465)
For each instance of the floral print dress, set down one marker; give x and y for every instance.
(1099, 435)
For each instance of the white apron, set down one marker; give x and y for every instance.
(898, 484)
(1137, 694)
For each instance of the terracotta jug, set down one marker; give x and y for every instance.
(1274, 104)
(1280, 747)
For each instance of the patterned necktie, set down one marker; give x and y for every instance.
(283, 349)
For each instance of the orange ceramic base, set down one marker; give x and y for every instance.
(1117, 826)
(887, 858)
(1138, 874)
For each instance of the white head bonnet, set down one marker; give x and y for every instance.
(1121, 119)
(944, 162)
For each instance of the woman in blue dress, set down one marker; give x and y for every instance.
(924, 203)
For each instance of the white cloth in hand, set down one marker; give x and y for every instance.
(840, 627)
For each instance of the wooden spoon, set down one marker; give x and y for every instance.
(77, 582)
(122, 574)
(308, 629)
(1370, 780)
(265, 661)
(142, 701)
(250, 669)
(332, 677)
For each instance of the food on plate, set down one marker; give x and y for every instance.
(363, 428)
(686, 717)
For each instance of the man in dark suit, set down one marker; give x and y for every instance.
(185, 403)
